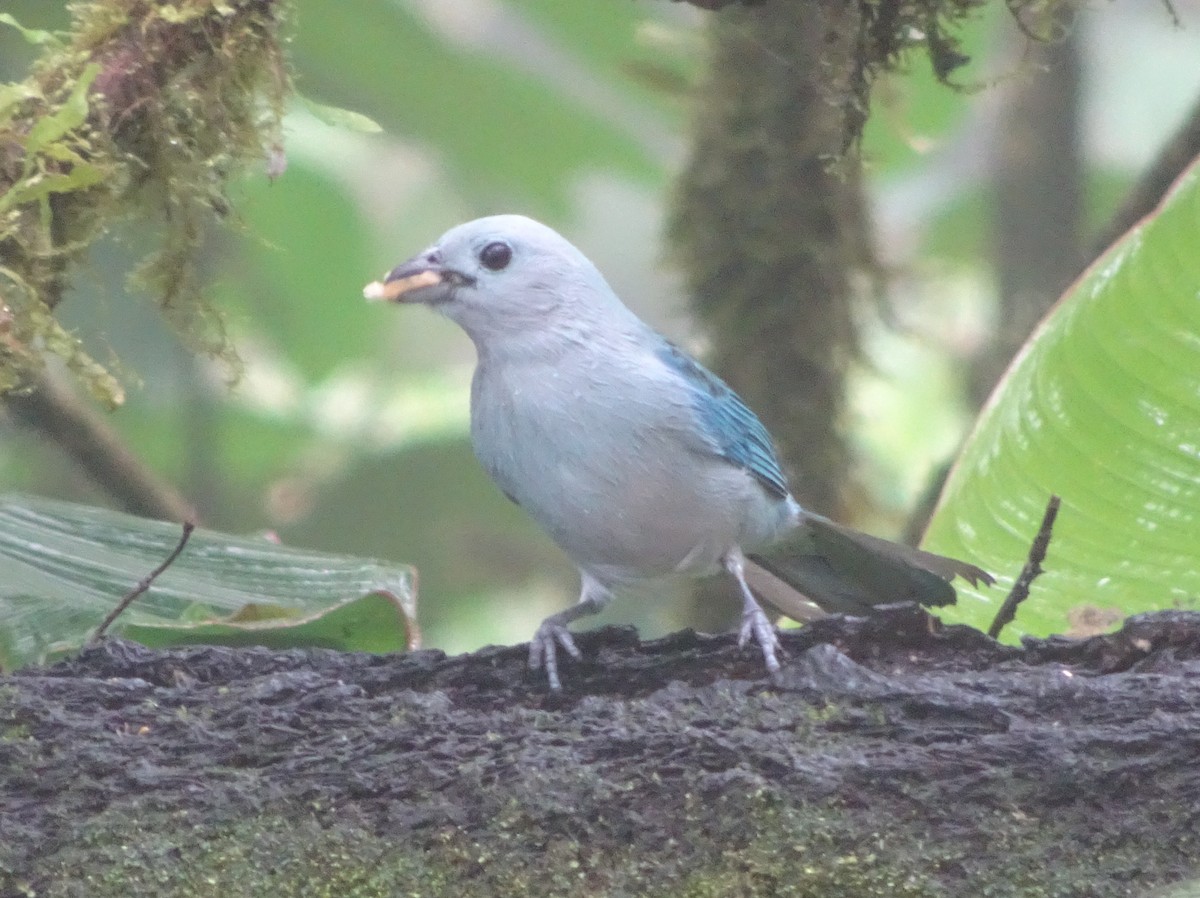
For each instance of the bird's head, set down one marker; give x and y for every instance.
(501, 278)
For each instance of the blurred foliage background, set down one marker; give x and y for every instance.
(347, 427)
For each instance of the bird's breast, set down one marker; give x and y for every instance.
(614, 481)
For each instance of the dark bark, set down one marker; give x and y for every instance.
(892, 758)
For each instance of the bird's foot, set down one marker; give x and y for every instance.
(756, 623)
(543, 649)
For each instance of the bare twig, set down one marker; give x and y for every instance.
(144, 583)
(1033, 567)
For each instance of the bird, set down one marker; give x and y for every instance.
(636, 460)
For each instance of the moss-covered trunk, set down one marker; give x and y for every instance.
(770, 227)
(891, 759)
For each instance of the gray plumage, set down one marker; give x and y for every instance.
(636, 460)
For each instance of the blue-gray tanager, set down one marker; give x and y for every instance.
(636, 460)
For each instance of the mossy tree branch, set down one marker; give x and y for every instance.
(893, 759)
(143, 110)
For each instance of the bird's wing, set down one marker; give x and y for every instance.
(731, 429)
(847, 572)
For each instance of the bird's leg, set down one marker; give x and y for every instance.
(754, 621)
(553, 632)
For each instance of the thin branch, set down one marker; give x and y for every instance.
(1033, 567)
(144, 584)
(53, 410)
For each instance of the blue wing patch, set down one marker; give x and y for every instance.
(735, 431)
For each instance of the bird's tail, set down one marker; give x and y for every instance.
(844, 571)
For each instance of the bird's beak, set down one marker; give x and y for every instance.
(408, 281)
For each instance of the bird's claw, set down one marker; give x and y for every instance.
(543, 650)
(756, 623)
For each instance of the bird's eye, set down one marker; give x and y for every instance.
(496, 256)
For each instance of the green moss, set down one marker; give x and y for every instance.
(145, 111)
(710, 846)
(16, 733)
(728, 820)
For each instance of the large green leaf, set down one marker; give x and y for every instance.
(1101, 407)
(63, 567)
(374, 622)
(35, 36)
(503, 133)
(295, 274)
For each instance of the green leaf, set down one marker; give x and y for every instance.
(296, 269)
(1102, 407)
(40, 186)
(340, 118)
(35, 36)
(375, 622)
(501, 133)
(627, 46)
(69, 116)
(63, 567)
